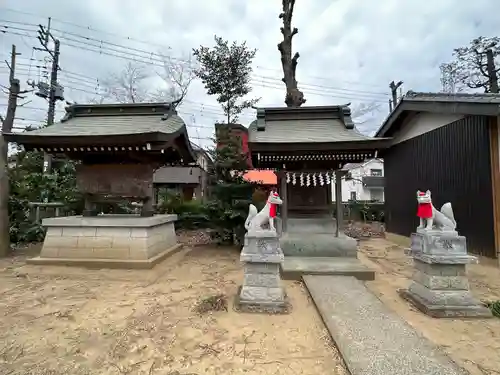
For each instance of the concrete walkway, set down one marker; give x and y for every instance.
(293, 268)
(372, 339)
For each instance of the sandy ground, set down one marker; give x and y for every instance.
(473, 344)
(58, 320)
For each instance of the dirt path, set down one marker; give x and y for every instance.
(473, 344)
(56, 320)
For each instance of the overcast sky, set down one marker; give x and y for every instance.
(350, 49)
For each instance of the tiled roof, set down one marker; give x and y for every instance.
(452, 97)
(264, 177)
(487, 104)
(319, 124)
(350, 166)
(306, 130)
(114, 119)
(112, 125)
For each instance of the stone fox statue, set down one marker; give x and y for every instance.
(430, 216)
(256, 220)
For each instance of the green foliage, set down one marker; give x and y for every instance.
(225, 71)
(230, 193)
(364, 211)
(27, 184)
(191, 214)
(495, 308)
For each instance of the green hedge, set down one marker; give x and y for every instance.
(191, 214)
(362, 211)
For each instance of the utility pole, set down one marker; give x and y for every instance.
(492, 71)
(55, 91)
(7, 125)
(394, 92)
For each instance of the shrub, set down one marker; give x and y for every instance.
(191, 214)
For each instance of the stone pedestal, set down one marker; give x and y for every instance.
(440, 287)
(262, 290)
(108, 241)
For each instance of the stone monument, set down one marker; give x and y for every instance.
(262, 257)
(439, 285)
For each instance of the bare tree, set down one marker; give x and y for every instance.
(450, 78)
(128, 85)
(177, 74)
(364, 109)
(476, 66)
(94, 100)
(134, 83)
(294, 97)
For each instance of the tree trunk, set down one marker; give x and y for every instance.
(4, 200)
(492, 71)
(294, 97)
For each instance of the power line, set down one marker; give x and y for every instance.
(102, 43)
(274, 84)
(268, 82)
(131, 39)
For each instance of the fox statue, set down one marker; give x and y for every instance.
(257, 220)
(430, 216)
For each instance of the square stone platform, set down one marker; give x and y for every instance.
(440, 287)
(108, 241)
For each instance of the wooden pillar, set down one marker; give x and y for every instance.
(90, 206)
(495, 180)
(156, 190)
(284, 198)
(338, 203)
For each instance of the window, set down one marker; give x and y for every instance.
(353, 195)
(376, 172)
(377, 195)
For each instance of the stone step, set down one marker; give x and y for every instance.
(318, 245)
(373, 339)
(294, 267)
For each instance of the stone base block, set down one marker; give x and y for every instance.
(108, 240)
(434, 242)
(262, 247)
(137, 264)
(268, 300)
(436, 310)
(440, 287)
(318, 245)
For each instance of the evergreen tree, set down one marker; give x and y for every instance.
(225, 71)
(231, 194)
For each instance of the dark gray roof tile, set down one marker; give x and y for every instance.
(452, 97)
(112, 125)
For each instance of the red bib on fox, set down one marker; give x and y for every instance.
(424, 210)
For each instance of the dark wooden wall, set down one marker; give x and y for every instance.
(454, 163)
(308, 200)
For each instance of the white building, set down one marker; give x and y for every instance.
(364, 182)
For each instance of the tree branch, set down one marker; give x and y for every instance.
(294, 97)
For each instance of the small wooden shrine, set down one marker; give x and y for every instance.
(308, 146)
(119, 147)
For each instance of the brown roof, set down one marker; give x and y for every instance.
(460, 103)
